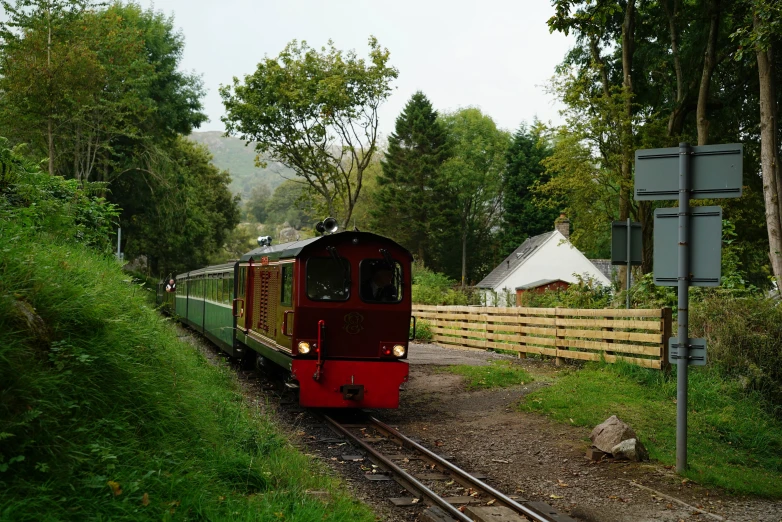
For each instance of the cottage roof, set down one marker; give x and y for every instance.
(605, 267)
(539, 283)
(517, 258)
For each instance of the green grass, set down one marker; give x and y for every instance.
(734, 442)
(106, 415)
(498, 374)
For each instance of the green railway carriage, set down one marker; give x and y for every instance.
(204, 300)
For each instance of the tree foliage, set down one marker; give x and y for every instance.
(474, 176)
(524, 213)
(647, 75)
(192, 215)
(51, 204)
(97, 89)
(315, 112)
(412, 201)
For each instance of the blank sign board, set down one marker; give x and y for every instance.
(705, 246)
(715, 172)
(619, 243)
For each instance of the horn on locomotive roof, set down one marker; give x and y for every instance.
(264, 240)
(330, 224)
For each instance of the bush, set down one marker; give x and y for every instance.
(423, 331)
(744, 338)
(586, 292)
(434, 288)
(61, 207)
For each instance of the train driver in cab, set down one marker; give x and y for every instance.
(171, 286)
(379, 287)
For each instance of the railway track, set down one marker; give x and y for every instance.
(449, 492)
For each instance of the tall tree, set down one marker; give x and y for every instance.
(474, 174)
(315, 112)
(111, 95)
(192, 215)
(42, 69)
(760, 35)
(411, 203)
(522, 213)
(599, 27)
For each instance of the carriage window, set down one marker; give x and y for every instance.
(242, 280)
(381, 282)
(287, 285)
(328, 279)
(231, 290)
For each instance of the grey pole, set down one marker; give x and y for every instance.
(119, 239)
(684, 282)
(629, 264)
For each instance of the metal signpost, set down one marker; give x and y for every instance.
(626, 244)
(683, 173)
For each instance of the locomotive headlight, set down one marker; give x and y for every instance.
(399, 350)
(304, 348)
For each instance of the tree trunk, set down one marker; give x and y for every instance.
(628, 149)
(49, 73)
(769, 159)
(464, 254)
(709, 62)
(676, 119)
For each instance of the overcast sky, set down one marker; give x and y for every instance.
(495, 55)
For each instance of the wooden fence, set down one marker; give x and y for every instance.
(635, 336)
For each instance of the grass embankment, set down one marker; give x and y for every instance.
(498, 374)
(734, 443)
(106, 415)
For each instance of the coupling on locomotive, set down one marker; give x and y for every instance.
(333, 310)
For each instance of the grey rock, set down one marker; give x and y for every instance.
(609, 433)
(37, 327)
(630, 449)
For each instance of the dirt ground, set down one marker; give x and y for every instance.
(523, 454)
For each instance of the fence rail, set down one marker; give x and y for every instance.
(635, 336)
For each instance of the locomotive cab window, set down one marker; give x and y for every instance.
(381, 281)
(328, 278)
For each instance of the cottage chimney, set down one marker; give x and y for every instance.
(562, 223)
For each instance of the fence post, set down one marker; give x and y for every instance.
(667, 330)
(608, 329)
(557, 344)
(519, 325)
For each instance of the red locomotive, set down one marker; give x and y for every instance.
(334, 310)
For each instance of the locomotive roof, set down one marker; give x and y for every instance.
(294, 248)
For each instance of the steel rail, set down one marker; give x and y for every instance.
(407, 481)
(463, 475)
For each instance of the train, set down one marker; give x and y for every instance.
(333, 311)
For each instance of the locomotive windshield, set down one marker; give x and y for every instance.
(328, 278)
(381, 281)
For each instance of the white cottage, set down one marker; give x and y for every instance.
(547, 257)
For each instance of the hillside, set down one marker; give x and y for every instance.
(232, 155)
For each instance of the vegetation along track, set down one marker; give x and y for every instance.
(449, 486)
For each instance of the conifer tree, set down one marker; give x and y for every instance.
(523, 216)
(412, 203)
